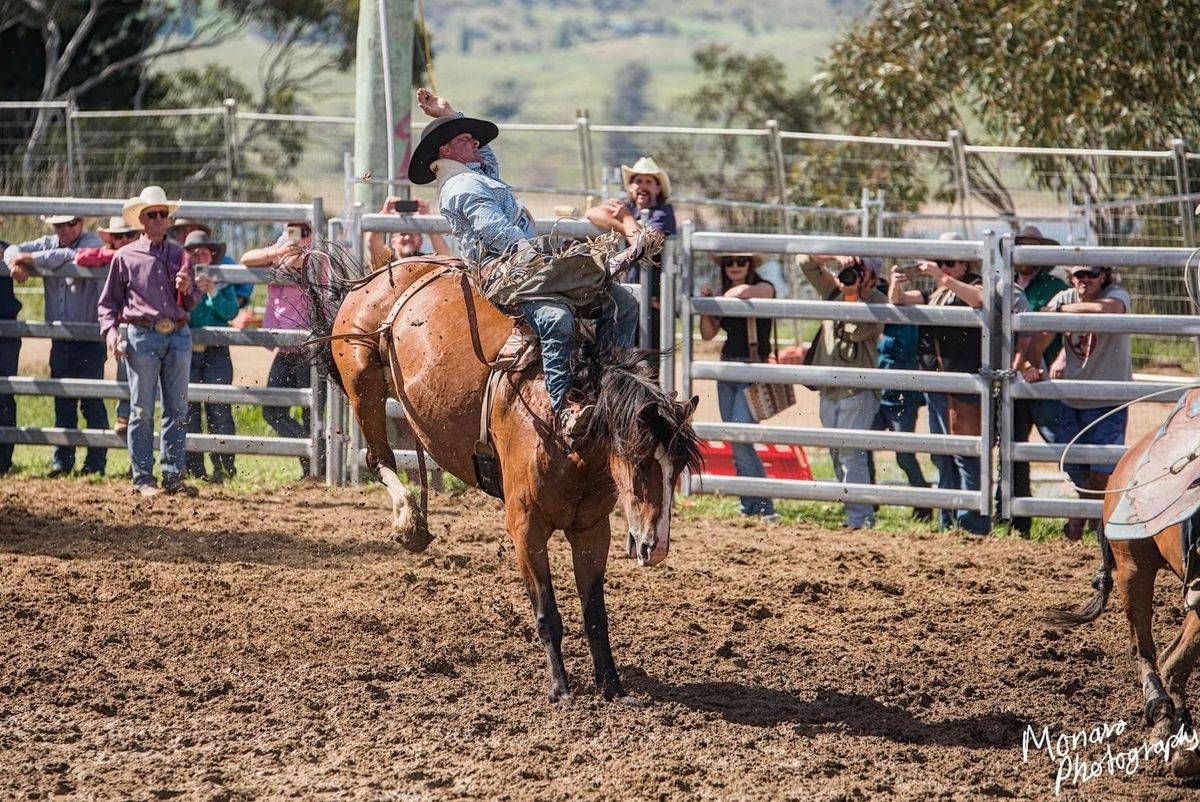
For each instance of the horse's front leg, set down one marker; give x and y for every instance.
(530, 537)
(589, 552)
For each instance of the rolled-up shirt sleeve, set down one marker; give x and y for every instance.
(112, 298)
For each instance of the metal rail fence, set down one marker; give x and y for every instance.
(995, 385)
(314, 447)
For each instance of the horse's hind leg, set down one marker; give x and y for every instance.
(367, 388)
(1136, 585)
(589, 551)
(1177, 665)
(530, 538)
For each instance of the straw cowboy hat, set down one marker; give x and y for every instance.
(438, 133)
(198, 239)
(647, 166)
(1032, 235)
(150, 196)
(116, 225)
(57, 219)
(180, 222)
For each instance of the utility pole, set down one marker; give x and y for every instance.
(383, 95)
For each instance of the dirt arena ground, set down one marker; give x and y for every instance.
(280, 646)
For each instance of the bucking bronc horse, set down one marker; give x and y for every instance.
(1149, 527)
(418, 329)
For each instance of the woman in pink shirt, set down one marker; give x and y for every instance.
(287, 308)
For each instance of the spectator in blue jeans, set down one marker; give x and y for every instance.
(210, 363)
(151, 287)
(10, 353)
(68, 299)
(952, 349)
(740, 279)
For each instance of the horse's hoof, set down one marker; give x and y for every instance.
(1185, 763)
(631, 702)
(414, 538)
(559, 694)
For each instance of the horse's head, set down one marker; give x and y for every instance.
(650, 441)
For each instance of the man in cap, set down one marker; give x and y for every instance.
(68, 299)
(1090, 356)
(491, 225)
(649, 188)
(1039, 285)
(151, 287)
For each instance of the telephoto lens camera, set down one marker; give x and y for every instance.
(851, 274)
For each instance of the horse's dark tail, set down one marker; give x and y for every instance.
(1102, 585)
(326, 273)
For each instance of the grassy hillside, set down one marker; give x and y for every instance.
(554, 56)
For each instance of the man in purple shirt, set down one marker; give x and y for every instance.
(150, 287)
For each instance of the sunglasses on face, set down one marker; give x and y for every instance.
(740, 261)
(67, 225)
(944, 263)
(123, 235)
(1086, 274)
(157, 214)
(305, 231)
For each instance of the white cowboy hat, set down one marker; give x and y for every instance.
(647, 166)
(57, 219)
(118, 225)
(150, 196)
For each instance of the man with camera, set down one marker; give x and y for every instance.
(402, 245)
(843, 344)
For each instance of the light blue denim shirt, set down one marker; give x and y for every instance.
(482, 211)
(67, 298)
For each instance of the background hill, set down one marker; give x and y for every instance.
(540, 60)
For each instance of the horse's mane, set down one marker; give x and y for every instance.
(633, 414)
(327, 273)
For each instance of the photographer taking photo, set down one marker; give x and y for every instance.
(842, 344)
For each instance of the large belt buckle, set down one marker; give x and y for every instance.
(199, 348)
(165, 326)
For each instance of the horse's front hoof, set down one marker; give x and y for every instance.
(415, 538)
(558, 694)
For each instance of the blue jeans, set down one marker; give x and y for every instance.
(79, 360)
(211, 366)
(732, 400)
(290, 369)
(122, 376)
(850, 465)
(157, 359)
(955, 472)
(902, 417)
(554, 324)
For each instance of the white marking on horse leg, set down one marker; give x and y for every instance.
(404, 509)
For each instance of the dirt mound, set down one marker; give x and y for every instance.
(254, 647)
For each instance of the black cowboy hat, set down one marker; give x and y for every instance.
(199, 239)
(438, 133)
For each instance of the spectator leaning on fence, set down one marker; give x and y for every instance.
(1090, 357)
(847, 345)
(954, 349)
(118, 234)
(10, 354)
(1039, 285)
(649, 187)
(898, 408)
(210, 363)
(150, 287)
(740, 279)
(68, 299)
(287, 308)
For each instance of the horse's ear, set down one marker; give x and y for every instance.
(691, 406)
